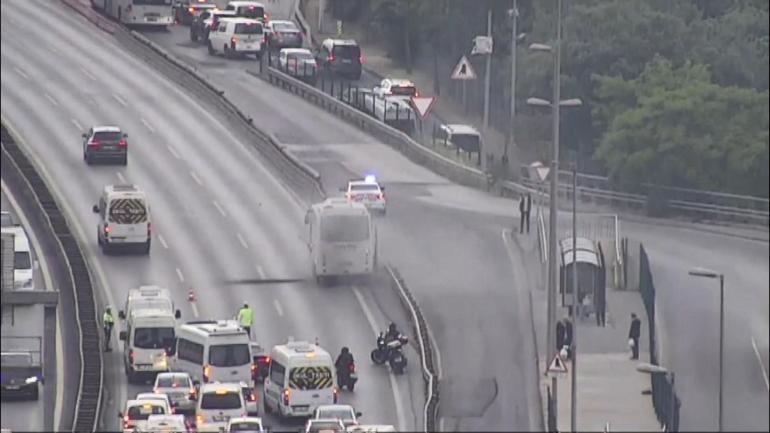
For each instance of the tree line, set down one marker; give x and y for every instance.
(674, 93)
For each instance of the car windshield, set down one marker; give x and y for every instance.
(368, 187)
(466, 141)
(248, 29)
(300, 56)
(335, 413)
(21, 260)
(285, 27)
(108, 135)
(345, 228)
(173, 381)
(253, 12)
(221, 401)
(318, 426)
(142, 412)
(154, 338)
(403, 90)
(245, 427)
(229, 355)
(347, 51)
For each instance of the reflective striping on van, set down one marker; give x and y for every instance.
(128, 211)
(310, 378)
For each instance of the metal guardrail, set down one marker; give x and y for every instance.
(426, 351)
(92, 374)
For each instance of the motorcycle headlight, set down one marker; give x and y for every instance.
(30, 380)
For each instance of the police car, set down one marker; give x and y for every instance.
(368, 192)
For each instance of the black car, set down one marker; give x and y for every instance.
(185, 10)
(204, 21)
(105, 142)
(341, 57)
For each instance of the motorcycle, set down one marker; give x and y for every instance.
(390, 352)
(348, 379)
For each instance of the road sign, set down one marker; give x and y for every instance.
(482, 45)
(463, 70)
(423, 105)
(557, 365)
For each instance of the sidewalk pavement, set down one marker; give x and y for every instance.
(609, 389)
(448, 110)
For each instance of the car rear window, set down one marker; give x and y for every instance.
(324, 426)
(466, 141)
(300, 56)
(253, 12)
(173, 381)
(365, 187)
(343, 414)
(154, 338)
(248, 29)
(245, 426)
(144, 411)
(284, 27)
(227, 400)
(347, 51)
(403, 90)
(229, 355)
(108, 136)
(21, 260)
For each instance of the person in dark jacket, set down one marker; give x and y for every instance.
(559, 335)
(600, 305)
(525, 205)
(342, 364)
(568, 336)
(393, 333)
(529, 209)
(633, 335)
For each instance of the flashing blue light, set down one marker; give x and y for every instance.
(370, 178)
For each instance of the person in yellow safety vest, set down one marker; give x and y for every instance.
(246, 317)
(108, 321)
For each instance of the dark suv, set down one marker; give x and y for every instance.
(341, 57)
(185, 10)
(105, 142)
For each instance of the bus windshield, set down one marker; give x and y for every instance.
(345, 228)
(229, 355)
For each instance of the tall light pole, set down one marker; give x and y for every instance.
(646, 367)
(707, 273)
(514, 13)
(487, 75)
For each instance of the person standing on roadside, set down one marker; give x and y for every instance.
(108, 321)
(633, 336)
(528, 209)
(246, 318)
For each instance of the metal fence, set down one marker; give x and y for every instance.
(664, 397)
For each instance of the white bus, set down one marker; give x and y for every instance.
(138, 12)
(343, 240)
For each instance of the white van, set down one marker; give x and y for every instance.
(213, 351)
(343, 240)
(23, 278)
(301, 378)
(149, 338)
(124, 218)
(217, 404)
(249, 9)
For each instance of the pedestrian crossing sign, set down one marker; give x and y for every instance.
(463, 70)
(557, 365)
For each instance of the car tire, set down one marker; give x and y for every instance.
(193, 35)
(35, 392)
(130, 375)
(88, 158)
(210, 48)
(146, 248)
(124, 160)
(268, 409)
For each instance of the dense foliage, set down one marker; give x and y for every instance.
(675, 92)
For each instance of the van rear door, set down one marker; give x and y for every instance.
(128, 220)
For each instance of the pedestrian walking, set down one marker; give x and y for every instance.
(246, 318)
(568, 336)
(108, 321)
(522, 213)
(633, 336)
(529, 209)
(600, 305)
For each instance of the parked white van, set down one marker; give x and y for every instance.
(301, 378)
(217, 404)
(23, 278)
(124, 218)
(150, 337)
(213, 351)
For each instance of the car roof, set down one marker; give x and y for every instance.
(245, 3)
(296, 51)
(139, 402)
(223, 12)
(246, 419)
(272, 22)
(400, 82)
(363, 182)
(214, 386)
(457, 128)
(335, 407)
(341, 42)
(106, 128)
(173, 374)
(324, 420)
(241, 20)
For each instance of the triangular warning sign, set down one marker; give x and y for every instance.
(557, 365)
(423, 104)
(464, 70)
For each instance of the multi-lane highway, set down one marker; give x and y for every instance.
(447, 241)
(218, 213)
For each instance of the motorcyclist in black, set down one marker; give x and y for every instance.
(392, 333)
(343, 363)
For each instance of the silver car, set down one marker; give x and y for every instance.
(179, 388)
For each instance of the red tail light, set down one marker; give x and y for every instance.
(131, 356)
(252, 396)
(330, 58)
(382, 196)
(149, 232)
(287, 395)
(206, 373)
(234, 39)
(126, 422)
(352, 367)
(336, 392)
(107, 230)
(361, 59)
(94, 143)
(122, 143)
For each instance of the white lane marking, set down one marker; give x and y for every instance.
(20, 72)
(761, 365)
(261, 272)
(51, 99)
(196, 178)
(120, 177)
(88, 74)
(120, 100)
(194, 308)
(121, 391)
(219, 208)
(162, 241)
(173, 151)
(77, 124)
(393, 383)
(48, 281)
(441, 424)
(147, 125)
(242, 241)
(179, 274)
(278, 307)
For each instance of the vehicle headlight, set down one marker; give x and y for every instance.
(30, 380)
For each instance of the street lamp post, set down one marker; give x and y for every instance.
(707, 273)
(651, 369)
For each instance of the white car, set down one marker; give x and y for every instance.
(342, 412)
(396, 87)
(250, 397)
(217, 404)
(371, 428)
(237, 36)
(298, 62)
(368, 192)
(179, 388)
(245, 424)
(161, 398)
(163, 424)
(324, 425)
(136, 413)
